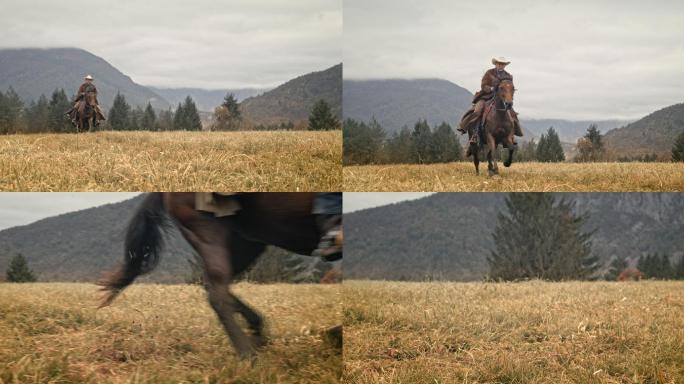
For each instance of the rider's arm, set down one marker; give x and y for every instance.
(486, 85)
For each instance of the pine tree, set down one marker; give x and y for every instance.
(227, 116)
(165, 121)
(445, 147)
(179, 120)
(549, 149)
(399, 147)
(679, 269)
(149, 119)
(135, 119)
(19, 271)
(37, 116)
(11, 108)
(421, 140)
(119, 115)
(527, 152)
(362, 142)
(321, 117)
(678, 148)
(58, 106)
(539, 237)
(590, 146)
(187, 117)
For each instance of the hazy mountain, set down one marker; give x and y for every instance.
(568, 130)
(654, 133)
(206, 99)
(294, 100)
(32, 72)
(79, 246)
(448, 235)
(397, 102)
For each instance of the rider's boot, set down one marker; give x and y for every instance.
(516, 125)
(330, 245)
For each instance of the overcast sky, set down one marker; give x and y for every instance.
(199, 43)
(571, 59)
(21, 208)
(354, 201)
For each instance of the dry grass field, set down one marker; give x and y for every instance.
(172, 161)
(532, 332)
(52, 333)
(520, 177)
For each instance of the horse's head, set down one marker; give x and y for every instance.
(505, 93)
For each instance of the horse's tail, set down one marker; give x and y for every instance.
(143, 244)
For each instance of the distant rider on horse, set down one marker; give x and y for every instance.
(472, 119)
(88, 87)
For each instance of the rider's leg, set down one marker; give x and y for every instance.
(328, 210)
(516, 124)
(469, 119)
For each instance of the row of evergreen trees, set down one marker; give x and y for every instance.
(48, 115)
(367, 143)
(122, 117)
(19, 271)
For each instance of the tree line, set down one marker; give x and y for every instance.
(368, 143)
(47, 115)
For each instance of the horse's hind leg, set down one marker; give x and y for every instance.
(244, 252)
(491, 156)
(475, 151)
(210, 238)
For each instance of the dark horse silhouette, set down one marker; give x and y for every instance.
(85, 117)
(496, 129)
(227, 245)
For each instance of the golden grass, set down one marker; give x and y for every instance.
(51, 332)
(520, 177)
(172, 161)
(532, 332)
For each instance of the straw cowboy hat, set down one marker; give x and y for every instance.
(501, 60)
(88, 77)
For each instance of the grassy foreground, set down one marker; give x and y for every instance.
(533, 332)
(172, 161)
(51, 332)
(520, 177)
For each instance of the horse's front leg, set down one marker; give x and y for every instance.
(510, 144)
(491, 156)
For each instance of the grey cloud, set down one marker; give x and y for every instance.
(19, 208)
(571, 59)
(203, 43)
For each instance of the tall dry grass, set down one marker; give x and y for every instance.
(520, 177)
(52, 333)
(532, 332)
(172, 161)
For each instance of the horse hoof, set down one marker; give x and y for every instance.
(507, 165)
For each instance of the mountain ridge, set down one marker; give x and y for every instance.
(35, 71)
(448, 236)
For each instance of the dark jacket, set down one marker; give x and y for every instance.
(490, 81)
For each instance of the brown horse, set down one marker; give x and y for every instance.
(85, 115)
(227, 245)
(497, 129)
